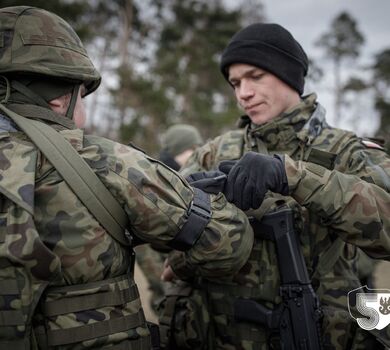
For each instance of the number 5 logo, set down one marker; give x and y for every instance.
(370, 307)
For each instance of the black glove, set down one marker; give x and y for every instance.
(208, 181)
(226, 165)
(251, 177)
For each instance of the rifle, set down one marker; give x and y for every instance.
(297, 318)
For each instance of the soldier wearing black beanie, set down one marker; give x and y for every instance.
(270, 47)
(284, 154)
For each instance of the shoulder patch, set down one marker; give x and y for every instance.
(371, 144)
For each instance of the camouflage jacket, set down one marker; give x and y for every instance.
(61, 271)
(339, 187)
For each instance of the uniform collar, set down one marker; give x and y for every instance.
(303, 122)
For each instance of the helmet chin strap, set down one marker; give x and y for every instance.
(29, 94)
(72, 103)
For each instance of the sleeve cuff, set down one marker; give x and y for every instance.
(179, 264)
(305, 178)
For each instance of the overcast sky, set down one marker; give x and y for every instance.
(308, 19)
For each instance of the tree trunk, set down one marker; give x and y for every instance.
(338, 92)
(95, 97)
(126, 16)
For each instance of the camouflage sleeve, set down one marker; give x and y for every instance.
(357, 210)
(203, 159)
(222, 252)
(157, 201)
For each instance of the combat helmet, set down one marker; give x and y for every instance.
(35, 41)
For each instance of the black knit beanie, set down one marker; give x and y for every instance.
(270, 47)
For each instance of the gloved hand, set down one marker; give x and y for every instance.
(251, 177)
(208, 181)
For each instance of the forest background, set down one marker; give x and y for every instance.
(159, 62)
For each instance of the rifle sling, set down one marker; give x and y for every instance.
(77, 174)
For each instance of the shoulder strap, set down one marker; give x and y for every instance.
(329, 258)
(78, 175)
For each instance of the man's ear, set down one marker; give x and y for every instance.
(59, 104)
(56, 103)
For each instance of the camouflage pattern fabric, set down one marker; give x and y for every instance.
(351, 202)
(64, 282)
(175, 140)
(151, 262)
(56, 259)
(27, 47)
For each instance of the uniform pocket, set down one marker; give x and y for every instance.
(189, 318)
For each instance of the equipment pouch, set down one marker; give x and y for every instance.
(184, 318)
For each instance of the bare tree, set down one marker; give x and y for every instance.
(341, 43)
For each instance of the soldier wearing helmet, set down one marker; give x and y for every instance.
(178, 143)
(66, 278)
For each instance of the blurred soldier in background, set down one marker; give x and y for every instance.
(178, 143)
(67, 200)
(284, 152)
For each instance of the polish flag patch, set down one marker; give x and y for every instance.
(370, 144)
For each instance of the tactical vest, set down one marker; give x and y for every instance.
(59, 317)
(34, 313)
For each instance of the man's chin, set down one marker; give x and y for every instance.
(259, 119)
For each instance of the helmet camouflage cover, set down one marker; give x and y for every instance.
(36, 41)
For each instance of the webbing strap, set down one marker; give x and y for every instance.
(73, 100)
(16, 344)
(232, 289)
(33, 111)
(142, 343)
(24, 90)
(95, 330)
(11, 318)
(241, 332)
(9, 287)
(90, 285)
(329, 258)
(78, 175)
(199, 217)
(90, 301)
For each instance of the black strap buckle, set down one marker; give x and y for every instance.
(199, 215)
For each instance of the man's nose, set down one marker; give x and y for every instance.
(246, 90)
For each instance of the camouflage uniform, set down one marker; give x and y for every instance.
(151, 262)
(175, 140)
(350, 202)
(64, 281)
